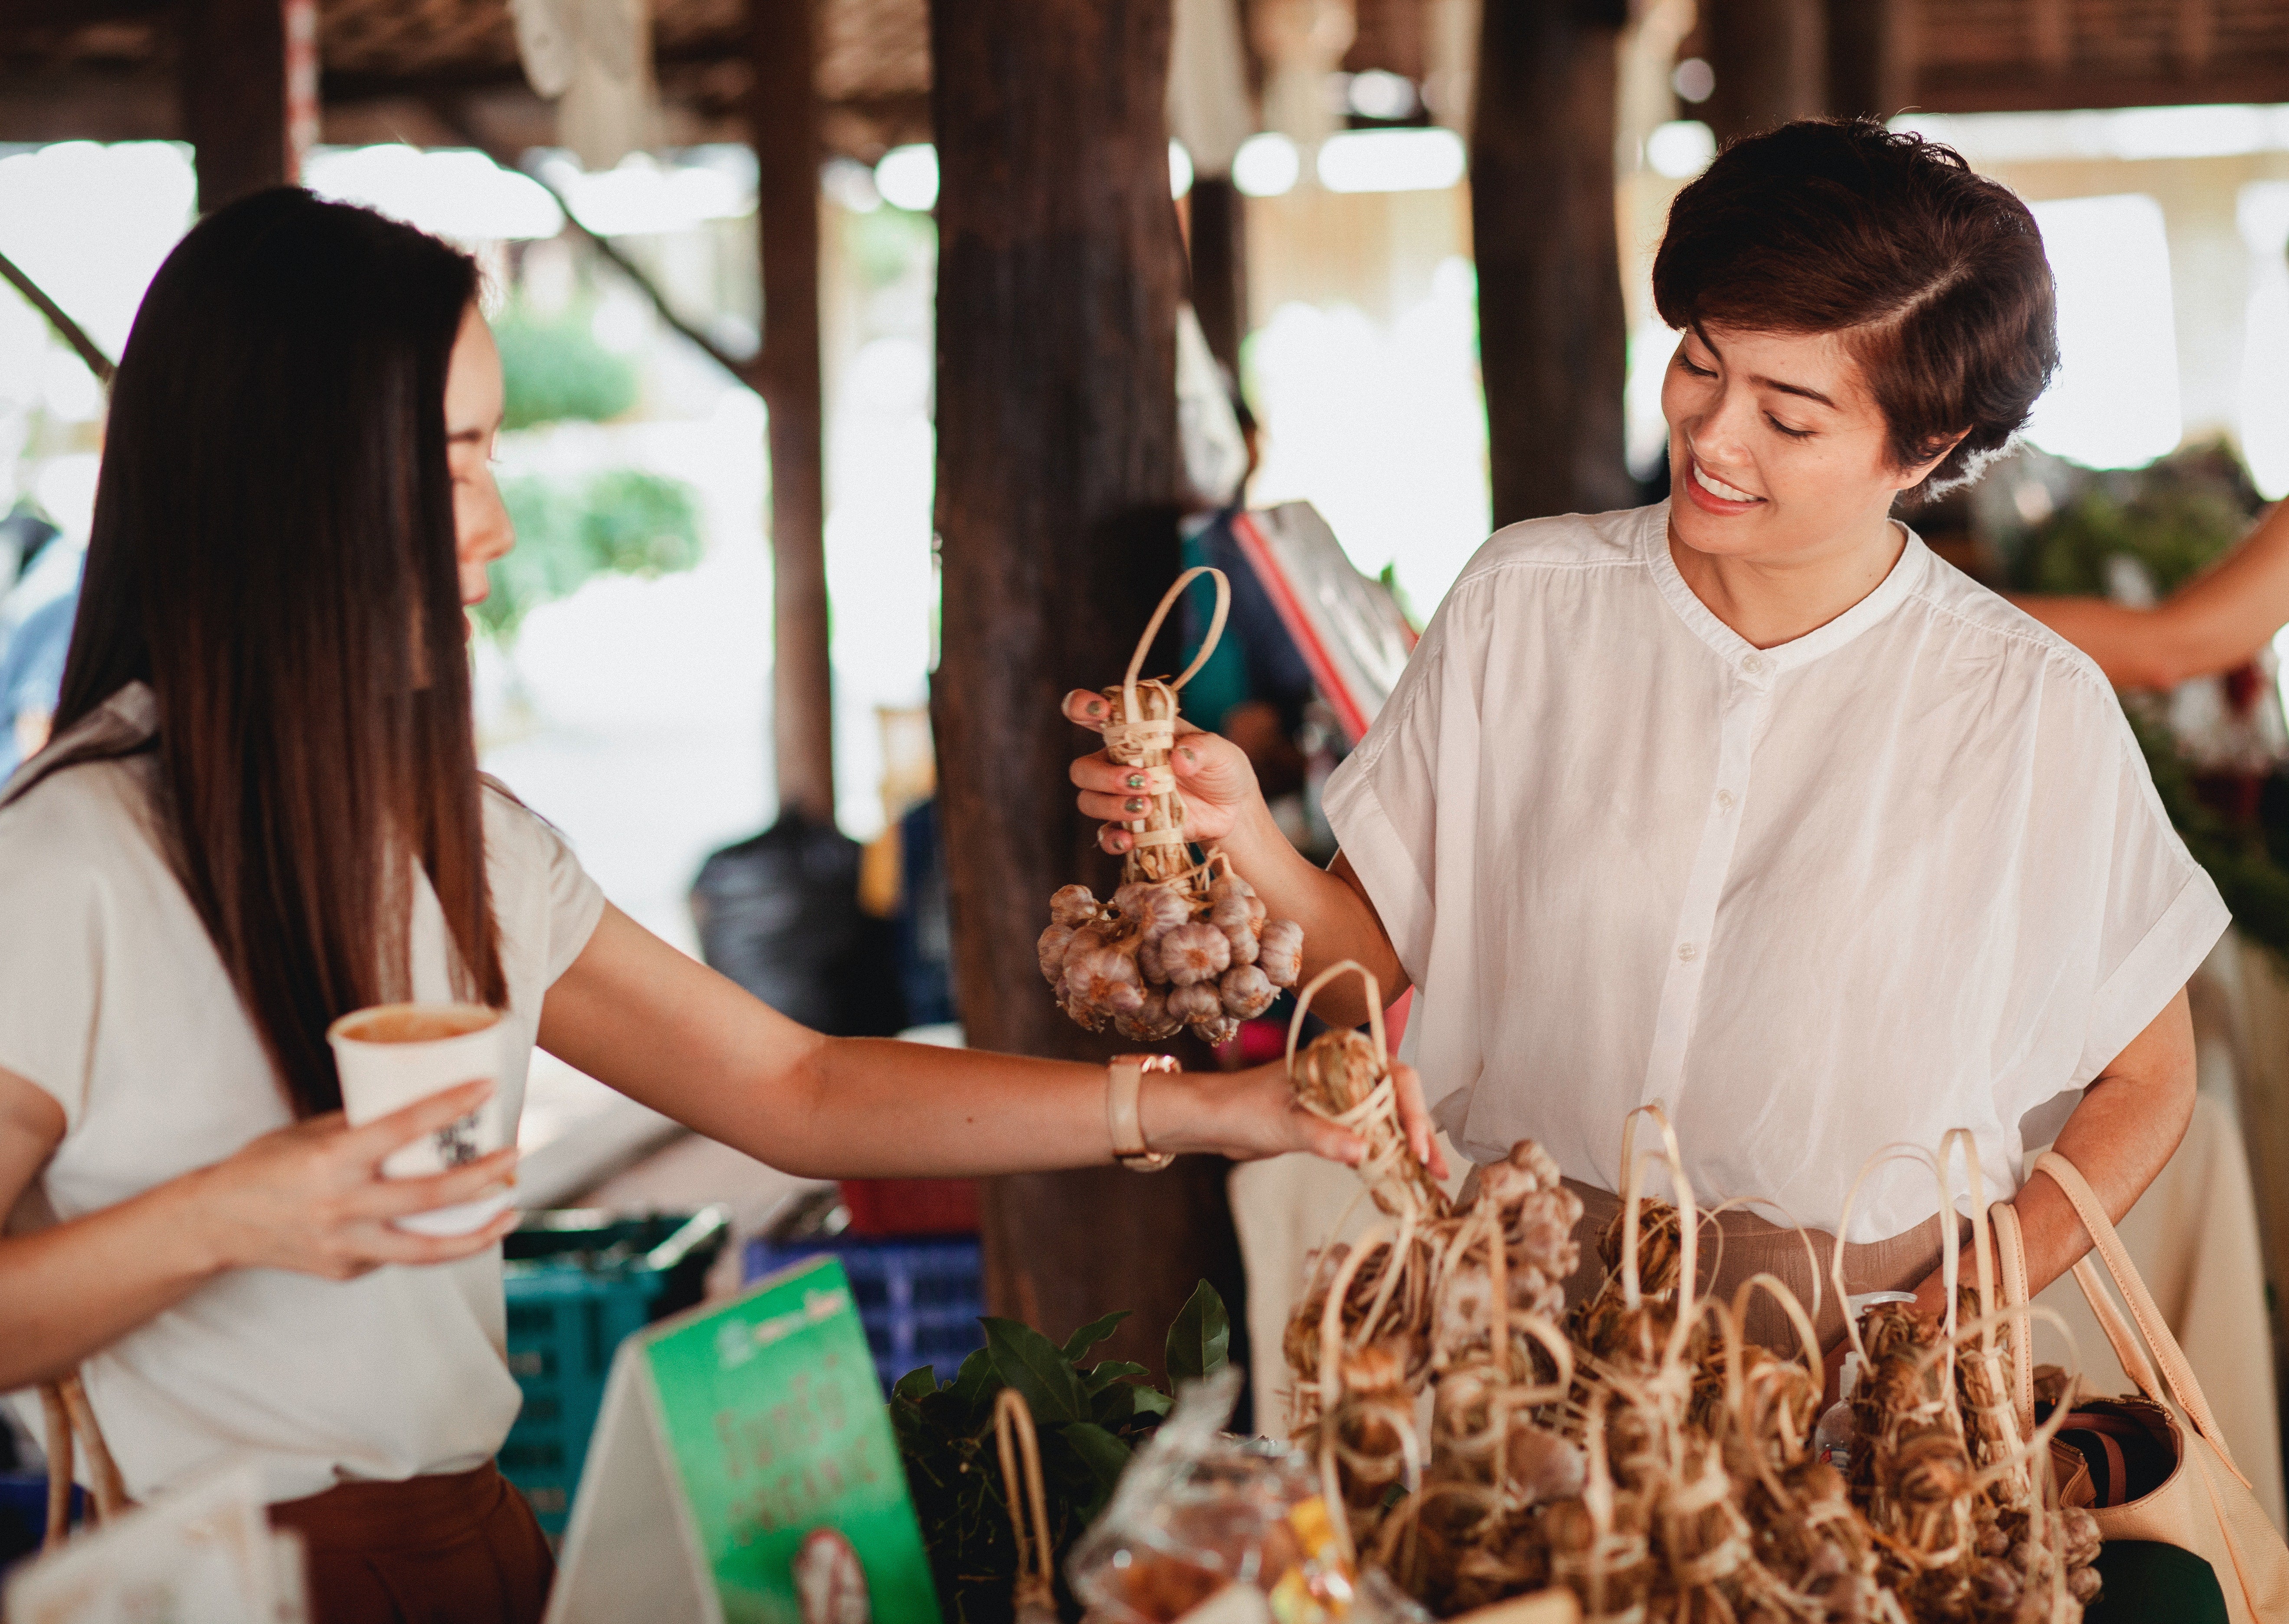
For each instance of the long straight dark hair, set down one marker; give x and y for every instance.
(273, 551)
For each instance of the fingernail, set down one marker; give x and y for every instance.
(1134, 805)
(1097, 708)
(1190, 757)
(1136, 780)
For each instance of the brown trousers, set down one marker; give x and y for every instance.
(462, 1549)
(1736, 1245)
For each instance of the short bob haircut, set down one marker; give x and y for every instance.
(1935, 276)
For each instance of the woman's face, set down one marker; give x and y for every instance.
(1777, 452)
(482, 530)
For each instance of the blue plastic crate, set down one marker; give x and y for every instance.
(24, 1514)
(579, 1284)
(919, 1300)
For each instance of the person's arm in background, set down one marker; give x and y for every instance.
(2215, 622)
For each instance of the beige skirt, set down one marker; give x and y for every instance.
(1735, 1245)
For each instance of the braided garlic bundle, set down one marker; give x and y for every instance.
(1179, 944)
(1648, 1457)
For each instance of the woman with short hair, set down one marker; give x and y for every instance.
(261, 811)
(1745, 803)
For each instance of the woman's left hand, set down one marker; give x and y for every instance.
(1249, 1115)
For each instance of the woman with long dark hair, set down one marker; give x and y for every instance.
(262, 810)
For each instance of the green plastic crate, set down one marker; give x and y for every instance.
(578, 1283)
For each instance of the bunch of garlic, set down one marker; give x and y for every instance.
(1160, 957)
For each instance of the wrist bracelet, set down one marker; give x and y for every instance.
(1124, 1083)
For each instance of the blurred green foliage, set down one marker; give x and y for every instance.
(555, 372)
(890, 244)
(622, 521)
(2175, 518)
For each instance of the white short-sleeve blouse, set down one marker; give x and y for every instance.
(115, 1002)
(1905, 874)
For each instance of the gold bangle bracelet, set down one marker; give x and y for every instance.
(1124, 1086)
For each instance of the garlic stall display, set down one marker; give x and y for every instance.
(1179, 943)
(1478, 1441)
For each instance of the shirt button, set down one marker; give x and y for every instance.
(1724, 801)
(1753, 663)
(1688, 952)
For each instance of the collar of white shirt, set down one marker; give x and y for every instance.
(1761, 665)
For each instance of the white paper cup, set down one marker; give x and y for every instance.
(393, 1054)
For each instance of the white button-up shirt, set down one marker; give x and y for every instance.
(1905, 874)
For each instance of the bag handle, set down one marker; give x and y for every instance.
(2151, 1326)
(64, 1405)
(2011, 1252)
(1014, 1439)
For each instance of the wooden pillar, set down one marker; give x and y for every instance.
(1219, 250)
(1059, 271)
(234, 96)
(1771, 62)
(1552, 341)
(783, 122)
(1868, 58)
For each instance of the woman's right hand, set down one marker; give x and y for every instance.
(311, 1197)
(1213, 775)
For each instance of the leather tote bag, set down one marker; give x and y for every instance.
(2203, 1504)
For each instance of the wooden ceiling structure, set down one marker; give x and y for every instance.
(421, 70)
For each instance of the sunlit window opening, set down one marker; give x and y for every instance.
(2115, 401)
(2262, 213)
(1266, 165)
(1381, 428)
(464, 196)
(1426, 160)
(907, 178)
(1680, 149)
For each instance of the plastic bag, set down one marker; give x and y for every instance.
(1223, 1530)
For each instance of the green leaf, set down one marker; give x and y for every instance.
(1099, 1377)
(1095, 1332)
(916, 1385)
(975, 1383)
(1115, 1405)
(1200, 1340)
(1032, 1363)
(1103, 1456)
(1150, 1401)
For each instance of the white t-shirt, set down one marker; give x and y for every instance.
(1905, 874)
(114, 1000)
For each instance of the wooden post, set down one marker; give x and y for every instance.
(1551, 340)
(783, 122)
(1059, 271)
(234, 96)
(1867, 60)
(1219, 249)
(1771, 61)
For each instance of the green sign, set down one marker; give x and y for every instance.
(775, 1420)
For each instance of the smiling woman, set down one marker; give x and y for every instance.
(1748, 804)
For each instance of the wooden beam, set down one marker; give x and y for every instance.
(1219, 255)
(233, 79)
(1550, 322)
(1869, 67)
(1771, 62)
(1059, 270)
(71, 332)
(784, 120)
(2018, 88)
